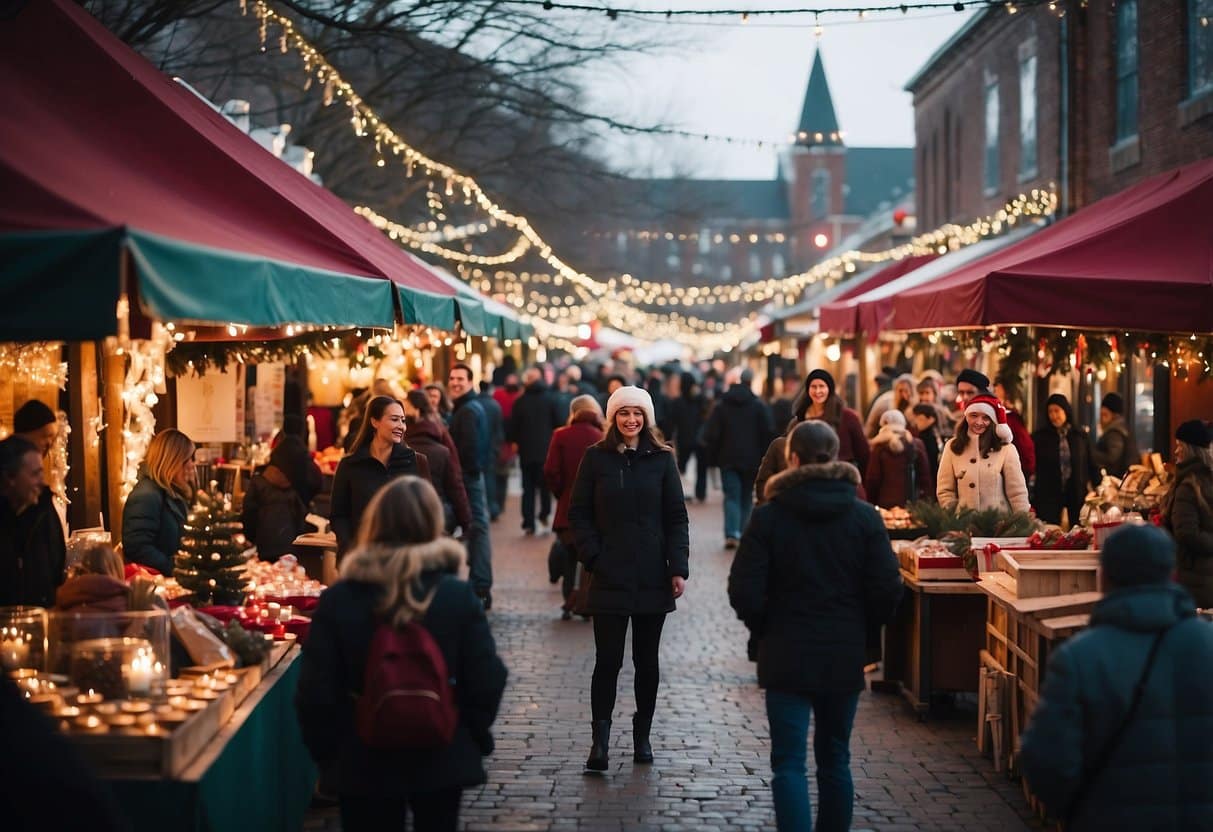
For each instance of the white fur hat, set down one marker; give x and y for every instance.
(631, 397)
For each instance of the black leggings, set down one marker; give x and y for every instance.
(610, 631)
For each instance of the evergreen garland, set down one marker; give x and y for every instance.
(214, 553)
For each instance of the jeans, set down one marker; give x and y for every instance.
(492, 496)
(788, 716)
(432, 812)
(480, 552)
(738, 500)
(610, 633)
(701, 469)
(532, 482)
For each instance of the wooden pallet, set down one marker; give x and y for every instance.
(1039, 574)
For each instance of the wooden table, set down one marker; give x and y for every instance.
(933, 642)
(255, 774)
(317, 554)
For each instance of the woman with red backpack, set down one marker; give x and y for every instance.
(401, 680)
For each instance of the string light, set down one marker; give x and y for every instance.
(38, 363)
(414, 239)
(144, 376)
(742, 16)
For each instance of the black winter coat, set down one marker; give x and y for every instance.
(739, 431)
(334, 667)
(814, 570)
(629, 520)
(356, 480)
(535, 415)
(32, 553)
(1188, 512)
(1051, 495)
(496, 423)
(686, 418)
(1116, 448)
(467, 423)
(273, 514)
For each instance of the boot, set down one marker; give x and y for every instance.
(642, 751)
(598, 751)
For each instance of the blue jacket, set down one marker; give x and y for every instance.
(1160, 776)
(151, 526)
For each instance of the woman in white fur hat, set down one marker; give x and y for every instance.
(629, 521)
(897, 468)
(979, 467)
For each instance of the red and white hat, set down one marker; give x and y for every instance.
(992, 407)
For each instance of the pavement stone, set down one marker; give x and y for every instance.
(709, 735)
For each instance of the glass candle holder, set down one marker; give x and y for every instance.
(137, 640)
(22, 638)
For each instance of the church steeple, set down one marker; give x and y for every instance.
(818, 124)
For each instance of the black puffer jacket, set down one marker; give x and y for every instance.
(629, 519)
(739, 430)
(356, 480)
(813, 571)
(334, 667)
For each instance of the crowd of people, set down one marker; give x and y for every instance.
(602, 464)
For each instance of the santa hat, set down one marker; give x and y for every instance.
(992, 407)
(630, 397)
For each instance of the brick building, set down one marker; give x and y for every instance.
(694, 231)
(1090, 101)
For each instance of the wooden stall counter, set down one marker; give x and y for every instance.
(932, 644)
(254, 774)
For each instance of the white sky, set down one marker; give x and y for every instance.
(749, 81)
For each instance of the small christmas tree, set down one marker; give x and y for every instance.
(214, 552)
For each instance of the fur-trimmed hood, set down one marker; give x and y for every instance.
(367, 564)
(896, 438)
(792, 477)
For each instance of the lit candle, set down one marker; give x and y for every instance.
(139, 674)
(90, 698)
(14, 648)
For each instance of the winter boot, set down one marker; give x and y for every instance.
(642, 750)
(598, 751)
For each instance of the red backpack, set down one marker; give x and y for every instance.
(407, 701)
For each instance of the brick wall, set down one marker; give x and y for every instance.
(1172, 130)
(949, 118)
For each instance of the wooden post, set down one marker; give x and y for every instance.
(85, 490)
(863, 353)
(115, 453)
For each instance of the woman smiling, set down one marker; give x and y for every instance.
(980, 468)
(629, 520)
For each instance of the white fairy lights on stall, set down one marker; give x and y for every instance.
(144, 381)
(37, 363)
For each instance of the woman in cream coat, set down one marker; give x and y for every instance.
(979, 467)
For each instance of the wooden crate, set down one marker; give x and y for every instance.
(932, 568)
(1041, 573)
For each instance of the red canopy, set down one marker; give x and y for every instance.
(93, 138)
(1139, 259)
(840, 316)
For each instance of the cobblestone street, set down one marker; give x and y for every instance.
(709, 736)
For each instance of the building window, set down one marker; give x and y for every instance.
(777, 264)
(821, 194)
(1027, 110)
(621, 242)
(705, 241)
(1126, 69)
(1200, 47)
(755, 265)
(726, 273)
(992, 179)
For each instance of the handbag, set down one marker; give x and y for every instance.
(1092, 772)
(557, 555)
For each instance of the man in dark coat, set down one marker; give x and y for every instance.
(1116, 448)
(813, 572)
(493, 487)
(470, 431)
(32, 554)
(536, 414)
(737, 435)
(1120, 740)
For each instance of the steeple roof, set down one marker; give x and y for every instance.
(818, 124)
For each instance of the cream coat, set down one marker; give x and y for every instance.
(977, 483)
